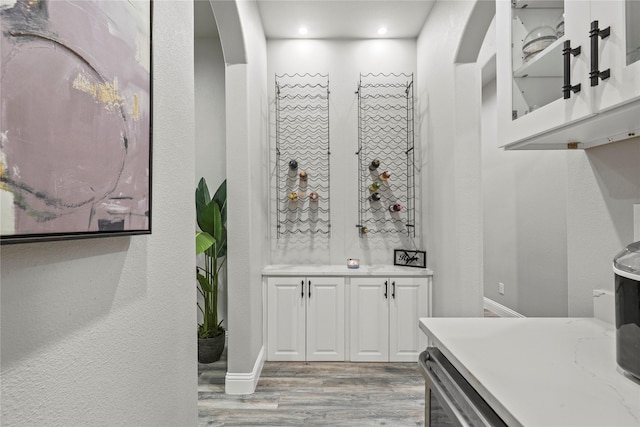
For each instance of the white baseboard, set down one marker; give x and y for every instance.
(242, 383)
(500, 309)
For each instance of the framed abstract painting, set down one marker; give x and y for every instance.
(75, 119)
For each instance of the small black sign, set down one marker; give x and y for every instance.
(410, 258)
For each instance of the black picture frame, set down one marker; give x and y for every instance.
(116, 192)
(410, 258)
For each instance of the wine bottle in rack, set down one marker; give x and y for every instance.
(293, 196)
(293, 164)
(313, 196)
(395, 208)
(375, 186)
(374, 197)
(385, 175)
(374, 165)
(303, 176)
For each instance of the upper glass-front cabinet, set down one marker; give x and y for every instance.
(632, 13)
(561, 65)
(537, 33)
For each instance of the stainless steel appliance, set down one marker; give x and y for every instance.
(626, 266)
(449, 399)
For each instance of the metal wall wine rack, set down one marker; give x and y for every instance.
(386, 135)
(302, 137)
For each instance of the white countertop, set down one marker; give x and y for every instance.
(541, 371)
(342, 270)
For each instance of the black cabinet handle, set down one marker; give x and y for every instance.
(309, 283)
(302, 288)
(386, 287)
(567, 88)
(596, 75)
(393, 289)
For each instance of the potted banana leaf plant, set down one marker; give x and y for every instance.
(211, 240)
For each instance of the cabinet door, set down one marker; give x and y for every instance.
(531, 112)
(619, 52)
(286, 318)
(529, 88)
(369, 331)
(632, 47)
(325, 319)
(408, 303)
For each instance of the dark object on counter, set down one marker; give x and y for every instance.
(626, 266)
(410, 258)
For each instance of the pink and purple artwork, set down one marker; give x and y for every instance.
(75, 119)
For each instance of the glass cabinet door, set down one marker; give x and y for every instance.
(618, 52)
(560, 63)
(531, 69)
(537, 33)
(632, 18)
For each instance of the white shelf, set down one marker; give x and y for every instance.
(547, 63)
(539, 4)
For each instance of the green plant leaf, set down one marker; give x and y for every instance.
(216, 217)
(202, 197)
(206, 218)
(221, 246)
(204, 241)
(204, 283)
(221, 198)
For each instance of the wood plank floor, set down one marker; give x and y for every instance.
(316, 393)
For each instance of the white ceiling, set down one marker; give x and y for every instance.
(329, 19)
(343, 19)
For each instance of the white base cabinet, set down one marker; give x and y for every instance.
(305, 319)
(384, 315)
(331, 313)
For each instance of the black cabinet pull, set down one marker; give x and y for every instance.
(309, 283)
(302, 288)
(386, 286)
(596, 75)
(393, 289)
(567, 88)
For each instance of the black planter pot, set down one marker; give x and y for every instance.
(210, 349)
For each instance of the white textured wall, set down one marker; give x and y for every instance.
(343, 60)
(102, 331)
(210, 112)
(603, 185)
(449, 97)
(524, 223)
(247, 115)
(211, 160)
(498, 209)
(553, 220)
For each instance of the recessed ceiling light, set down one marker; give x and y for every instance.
(382, 30)
(303, 30)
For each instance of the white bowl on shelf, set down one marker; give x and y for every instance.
(538, 40)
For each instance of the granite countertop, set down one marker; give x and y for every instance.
(342, 270)
(541, 371)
